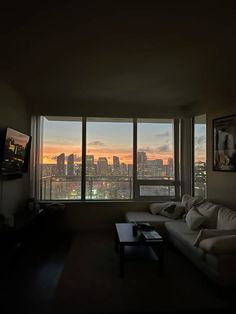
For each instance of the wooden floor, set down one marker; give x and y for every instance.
(28, 280)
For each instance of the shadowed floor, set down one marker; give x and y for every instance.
(90, 282)
(29, 279)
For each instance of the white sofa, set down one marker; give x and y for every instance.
(211, 246)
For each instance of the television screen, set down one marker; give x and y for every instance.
(15, 153)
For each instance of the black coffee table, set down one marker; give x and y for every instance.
(133, 247)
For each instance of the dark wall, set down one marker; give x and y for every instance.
(13, 193)
(221, 185)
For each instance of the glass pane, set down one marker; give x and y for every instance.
(200, 155)
(156, 190)
(155, 156)
(61, 158)
(109, 159)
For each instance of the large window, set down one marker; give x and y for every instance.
(107, 159)
(155, 157)
(60, 158)
(199, 156)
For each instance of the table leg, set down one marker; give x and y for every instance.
(116, 241)
(122, 261)
(161, 256)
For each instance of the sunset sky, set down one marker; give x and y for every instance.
(108, 139)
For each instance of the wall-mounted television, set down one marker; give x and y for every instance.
(15, 153)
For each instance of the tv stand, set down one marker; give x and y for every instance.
(26, 227)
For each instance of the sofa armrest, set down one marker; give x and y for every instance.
(219, 245)
(211, 233)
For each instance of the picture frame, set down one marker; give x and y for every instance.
(224, 143)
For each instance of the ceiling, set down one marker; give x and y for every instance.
(119, 52)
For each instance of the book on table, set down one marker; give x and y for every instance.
(150, 235)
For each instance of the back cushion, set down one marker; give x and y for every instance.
(194, 219)
(226, 219)
(189, 201)
(210, 211)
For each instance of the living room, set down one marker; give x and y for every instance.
(117, 61)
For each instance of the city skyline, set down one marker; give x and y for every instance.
(146, 168)
(108, 139)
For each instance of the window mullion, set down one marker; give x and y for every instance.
(83, 170)
(135, 159)
(176, 158)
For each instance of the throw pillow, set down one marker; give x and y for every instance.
(173, 211)
(193, 219)
(210, 233)
(219, 245)
(189, 201)
(210, 211)
(156, 208)
(226, 219)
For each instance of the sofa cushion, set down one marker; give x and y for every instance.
(210, 233)
(180, 230)
(219, 245)
(189, 201)
(145, 217)
(194, 219)
(210, 211)
(226, 219)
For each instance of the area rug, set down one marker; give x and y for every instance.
(90, 282)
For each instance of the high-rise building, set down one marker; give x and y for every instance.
(61, 169)
(91, 168)
(70, 165)
(154, 168)
(116, 165)
(89, 160)
(130, 170)
(141, 163)
(200, 178)
(123, 169)
(49, 170)
(141, 157)
(102, 166)
(170, 167)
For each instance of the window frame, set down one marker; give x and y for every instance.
(37, 125)
(175, 182)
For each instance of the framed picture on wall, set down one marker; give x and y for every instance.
(224, 143)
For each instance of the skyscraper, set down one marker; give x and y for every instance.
(90, 166)
(154, 168)
(70, 165)
(141, 163)
(123, 169)
(102, 166)
(61, 169)
(89, 160)
(116, 165)
(171, 167)
(130, 170)
(141, 157)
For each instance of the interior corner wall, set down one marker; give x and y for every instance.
(221, 185)
(13, 113)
